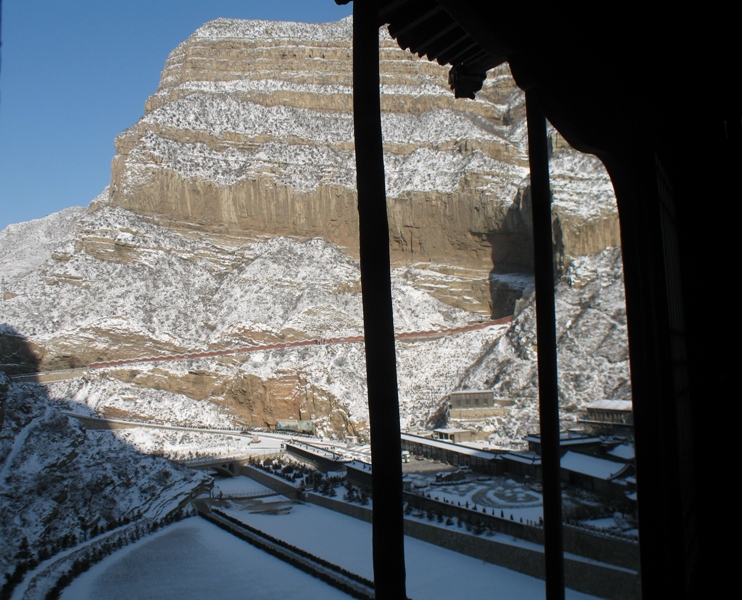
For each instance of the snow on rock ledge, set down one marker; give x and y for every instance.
(251, 129)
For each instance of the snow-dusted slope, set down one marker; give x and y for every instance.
(60, 484)
(592, 349)
(123, 282)
(26, 246)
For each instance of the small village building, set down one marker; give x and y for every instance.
(601, 458)
(566, 440)
(608, 416)
(526, 463)
(599, 475)
(472, 399)
(358, 473)
(622, 452)
(325, 460)
(476, 404)
(295, 425)
(481, 461)
(453, 435)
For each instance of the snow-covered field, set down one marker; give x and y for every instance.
(238, 486)
(194, 559)
(501, 494)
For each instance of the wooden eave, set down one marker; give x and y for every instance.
(429, 28)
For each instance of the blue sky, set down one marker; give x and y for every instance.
(76, 73)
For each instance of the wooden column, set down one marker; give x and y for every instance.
(548, 392)
(378, 320)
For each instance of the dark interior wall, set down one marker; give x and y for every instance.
(651, 91)
(670, 139)
(668, 181)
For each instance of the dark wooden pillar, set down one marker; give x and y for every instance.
(378, 321)
(548, 393)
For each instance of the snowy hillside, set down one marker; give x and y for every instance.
(150, 287)
(593, 349)
(175, 292)
(60, 484)
(26, 246)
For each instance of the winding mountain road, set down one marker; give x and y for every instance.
(410, 336)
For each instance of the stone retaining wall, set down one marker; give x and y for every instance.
(277, 485)
(603, 581)
(602, 548)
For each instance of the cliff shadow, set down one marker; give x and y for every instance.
(70, 495)
(512, 257)
(18, 355)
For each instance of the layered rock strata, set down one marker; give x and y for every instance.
(249, 136)
(250, 130)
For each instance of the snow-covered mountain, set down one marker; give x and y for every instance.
(230, 222)
(251, 130)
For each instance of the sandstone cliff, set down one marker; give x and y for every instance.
(250, 131)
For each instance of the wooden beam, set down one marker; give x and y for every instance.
(378, 319)
(548, 392)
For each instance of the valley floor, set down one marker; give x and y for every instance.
(195, 559)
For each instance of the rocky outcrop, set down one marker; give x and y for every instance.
(197, 384)
(262, 402)
(250, 130)
(252, 401)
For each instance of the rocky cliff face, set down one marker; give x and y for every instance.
(251, 131)
(230, 222)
